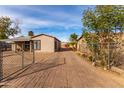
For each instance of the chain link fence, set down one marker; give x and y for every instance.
(103, 54)
(11, 61)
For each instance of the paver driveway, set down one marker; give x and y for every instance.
(64, 69)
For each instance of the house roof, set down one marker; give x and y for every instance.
(21, 38)
(80, 37)
(6, 40)
(46, 35)
(25, 38)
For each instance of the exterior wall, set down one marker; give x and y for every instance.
(57, 45)
(80, 44)
(47, 43)
(16, 46)
(13, 46)
(19, 46)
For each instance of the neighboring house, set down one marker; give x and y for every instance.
(42, 43)
(82, 45)
(64, 44)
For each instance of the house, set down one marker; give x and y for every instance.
(82, 45)
(41, 43)
(46, 43)
(64, 44)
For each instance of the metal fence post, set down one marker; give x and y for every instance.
(33, 56)
(1, 62)
(33, 52)
(22, 57)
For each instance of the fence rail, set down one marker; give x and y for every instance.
(11, 62)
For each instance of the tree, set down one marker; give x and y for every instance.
(73, 39)
(104, 25)
(106, 19)
(8, 27)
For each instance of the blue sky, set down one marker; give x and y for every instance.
(59, 21)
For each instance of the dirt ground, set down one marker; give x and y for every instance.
(64, 69)
(12, 61)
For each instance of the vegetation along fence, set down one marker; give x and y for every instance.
(103, 54)
(12, 62)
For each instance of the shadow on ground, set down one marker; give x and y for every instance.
(37, 67)
(65, 49)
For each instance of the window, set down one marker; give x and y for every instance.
(37, 44)
(26, 45)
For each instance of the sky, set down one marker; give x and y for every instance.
(56, 20)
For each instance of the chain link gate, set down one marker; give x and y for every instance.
(11, 62)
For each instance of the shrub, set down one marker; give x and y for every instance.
(90, 58)
(84, 55)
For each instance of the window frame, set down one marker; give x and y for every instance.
(36, 48)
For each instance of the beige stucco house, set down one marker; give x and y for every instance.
(41, 43)
(46, 43)
(82, 45)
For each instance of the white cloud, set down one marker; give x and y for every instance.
(34, 22)
(28, 23)
(56, 14)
